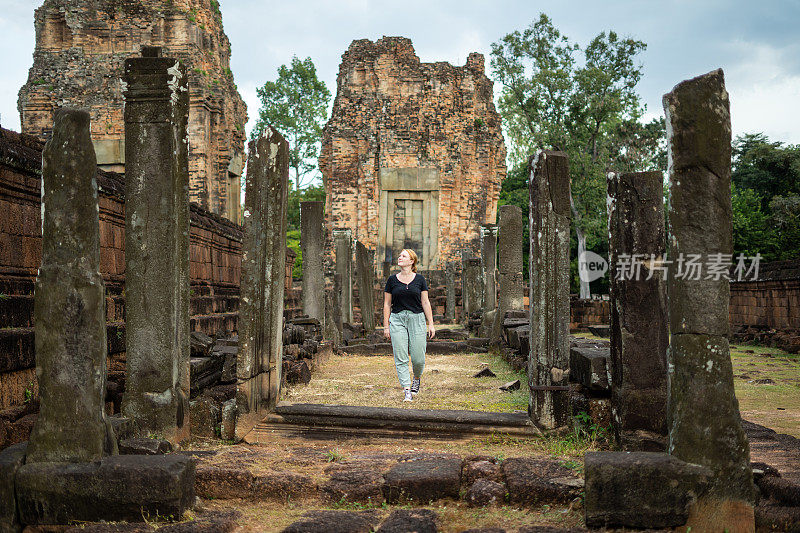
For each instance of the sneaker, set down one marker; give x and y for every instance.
(415, 386)
(408, 397)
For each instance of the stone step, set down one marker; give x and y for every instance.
(352, 420)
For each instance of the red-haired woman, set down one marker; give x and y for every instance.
(407, 317)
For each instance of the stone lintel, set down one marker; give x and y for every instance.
(409, 179)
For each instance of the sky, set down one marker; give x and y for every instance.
(757, 44)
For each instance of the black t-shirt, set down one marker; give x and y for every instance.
(406, 296)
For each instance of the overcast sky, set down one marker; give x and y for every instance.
(756, 43)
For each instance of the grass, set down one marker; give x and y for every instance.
(447, 383)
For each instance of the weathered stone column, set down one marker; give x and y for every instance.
(509, 218)
(70, 303)
(258, 364)
(548, 364)
(703, 414)
(343, 248)
(489, 264)
(311, 244)
(366, 286)
(450, 282)
(639, 336)
(471, 286)
(157, 246)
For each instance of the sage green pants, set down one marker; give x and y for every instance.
(409, 340)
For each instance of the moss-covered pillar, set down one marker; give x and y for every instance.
(450, 291)
(365, 272)
(703, 414)
(69, 303)
(509, 243)
(548, 364)
(343, 249)
(312, 239)
(157, 246)
(639, 331)
(258, 364)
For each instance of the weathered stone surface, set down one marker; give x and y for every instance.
(405, 520)
(312, 218)
(142, 446)
(334, 522)
(485, 492)
(205, 415)
(282, 485)
(532, 481)
(783, 491)
(121, 487)
(77, 63)
(509, 243)
(641, 489)
(423, 480)
(157, 284)
(489, 264)
(365, 274)
(589, 367)
(471, 287)
(222, 482)
(70, 303)
(706, 432)
(401, 132)
(450, 291)
(343, 278)
(639, 322)
(549, 221)
(10, 460)
(227, 425)
(258, 363)
(481, 468)
(200, 344)
(354, 484)
(775, 518)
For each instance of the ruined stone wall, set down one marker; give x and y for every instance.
(77, 62)
(402, 129)
(214, 255)
(772, 301)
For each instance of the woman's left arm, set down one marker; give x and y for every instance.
(426, 307)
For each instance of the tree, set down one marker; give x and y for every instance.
(589, 110)
(296, 105)
(765, 192)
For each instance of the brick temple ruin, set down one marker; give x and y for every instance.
(413, 155)
(80, 48)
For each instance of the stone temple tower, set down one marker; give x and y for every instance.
(77, 62)
(413, 154)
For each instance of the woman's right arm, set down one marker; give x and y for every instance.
(387, 309)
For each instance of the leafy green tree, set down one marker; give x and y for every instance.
(588, 109)
(296, 105)
(765, 193)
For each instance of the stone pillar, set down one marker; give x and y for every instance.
(343, 249)
(366, 286)
(311, 244)
(509, 218)
(471, 286)
(156, 246)
(450, 288)
(489, 264)
(639, 336)
(69, 303)
(703, 413)
(258, 364)
(548, 364)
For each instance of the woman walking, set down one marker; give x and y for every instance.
(406, 311)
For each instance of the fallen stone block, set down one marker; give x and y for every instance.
(533, 481)
(484, 373)
(640, 489)
(142, 446)
(781, 490)
(10, 460)
(354, 484)
(589, 367)
(423, 480)
(510, 386)
(223, 483)
(282, 485)
(228, 422)
(205, 416)
(121, 487)
(474, 470)
(775, 518)
(334, 522)
(405, 520)
(485, 492)
(603, 331)
(200, 344)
